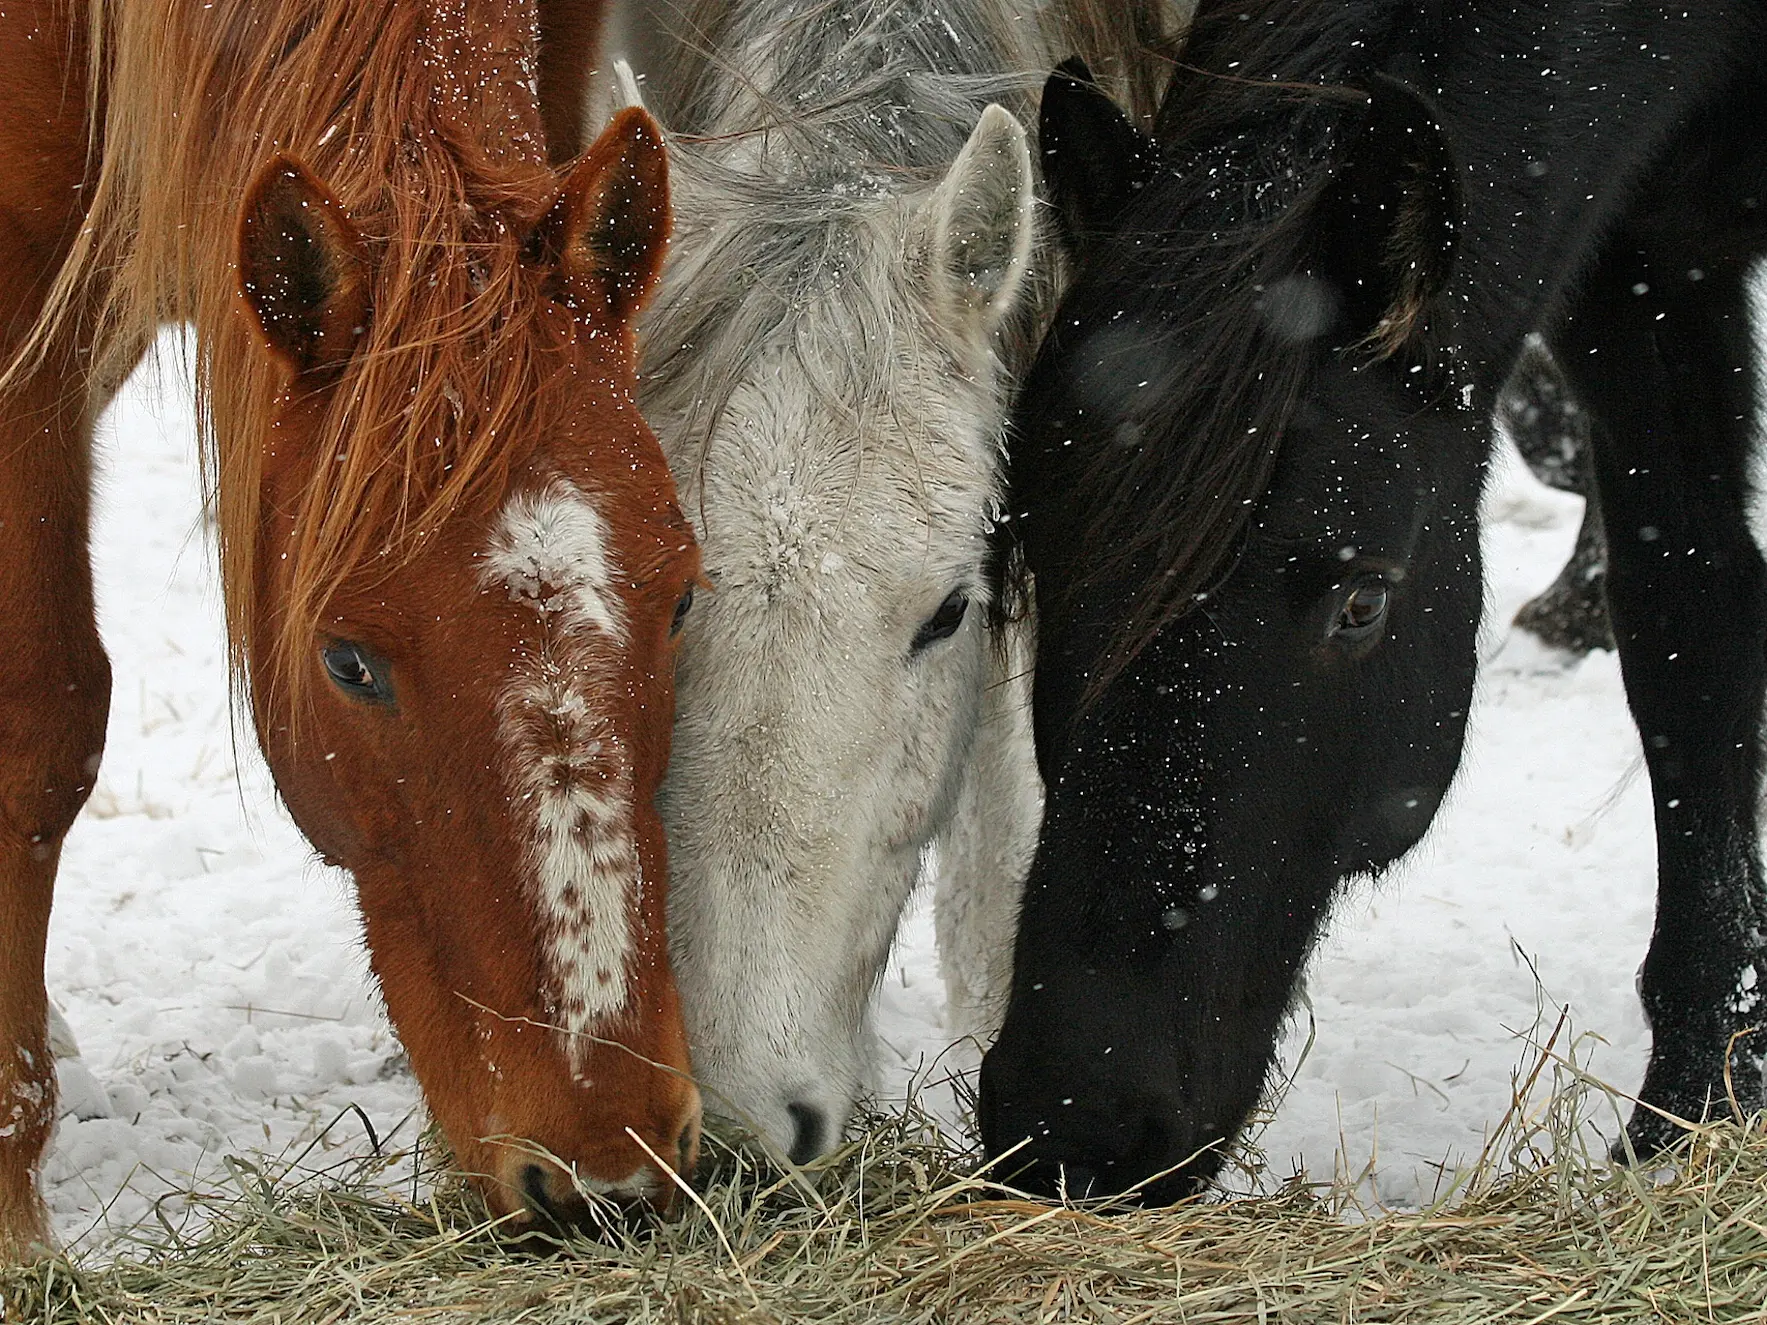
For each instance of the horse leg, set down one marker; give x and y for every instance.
(54, 699)
(54, 676)
(1662, 354)
(986, 851)
(1571, 613)
(1547, 425)
(1551, 431)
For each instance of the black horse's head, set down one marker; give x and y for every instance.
(1245, 486)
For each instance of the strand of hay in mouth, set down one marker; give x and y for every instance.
(897, 1227)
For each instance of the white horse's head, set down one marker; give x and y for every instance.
(834, 421)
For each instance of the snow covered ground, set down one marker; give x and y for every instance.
(212, 972)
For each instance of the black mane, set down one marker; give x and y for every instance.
(1207, 269)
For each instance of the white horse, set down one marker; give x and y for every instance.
(856, 266)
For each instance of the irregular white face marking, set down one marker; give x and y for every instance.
(551, 549)
(565, 762)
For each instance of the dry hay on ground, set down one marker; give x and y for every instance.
(898, 1227)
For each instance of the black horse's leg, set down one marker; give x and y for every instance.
(1571, 612)
(1546, 421)
(1660, 351)
(1551, 431)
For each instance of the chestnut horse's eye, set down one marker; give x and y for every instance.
(681, 610)
(1364, 612)
(943, 623)
(355, 671)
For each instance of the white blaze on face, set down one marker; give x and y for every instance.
(567, 766)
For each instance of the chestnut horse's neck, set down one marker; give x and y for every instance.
(478, 63)
(423, 118)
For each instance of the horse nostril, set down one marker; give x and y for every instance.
(1077, 1182)
(534, 1189)
(810, 1127)
(687, 1148)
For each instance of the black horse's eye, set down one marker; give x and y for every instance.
(681, 610)
(1363, 612)
(943, 623)
(354, 672)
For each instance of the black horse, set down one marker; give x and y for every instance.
(1245, 484)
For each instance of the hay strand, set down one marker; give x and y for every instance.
(902, 1227)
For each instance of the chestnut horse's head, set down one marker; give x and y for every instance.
(468, 573)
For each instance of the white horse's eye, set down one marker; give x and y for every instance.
(943, 623)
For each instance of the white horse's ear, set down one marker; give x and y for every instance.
(611, 90)
(626, 86)
(979, 220)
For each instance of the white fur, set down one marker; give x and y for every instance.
(549, 551)
(841, 484)
(986, 853)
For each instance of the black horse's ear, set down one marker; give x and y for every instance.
(1094, 159)
(1390, 218)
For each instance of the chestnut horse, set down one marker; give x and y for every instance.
(451, 556)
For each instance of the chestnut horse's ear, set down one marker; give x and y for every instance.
(606, 233)
(1094, 160)
(302, 267)
(1390, 217)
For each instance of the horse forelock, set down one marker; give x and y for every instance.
(421, 120)
(451, 389)
(570, 776)
(1183, 305)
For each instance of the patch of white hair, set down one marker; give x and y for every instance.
(566, 765)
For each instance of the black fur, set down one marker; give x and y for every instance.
(1245, 434)
(1109, 163)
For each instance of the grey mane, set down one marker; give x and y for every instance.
(791, 121)
(842, 88)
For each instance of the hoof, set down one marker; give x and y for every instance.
(1572, 623)
(1648, 1137)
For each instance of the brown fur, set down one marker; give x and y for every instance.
(358, 449)
(570, 32)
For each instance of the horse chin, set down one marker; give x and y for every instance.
(535, 1197)
(539, 1176)
(797, 1124)
(1137, 1148)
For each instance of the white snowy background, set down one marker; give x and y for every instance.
(213, 976)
